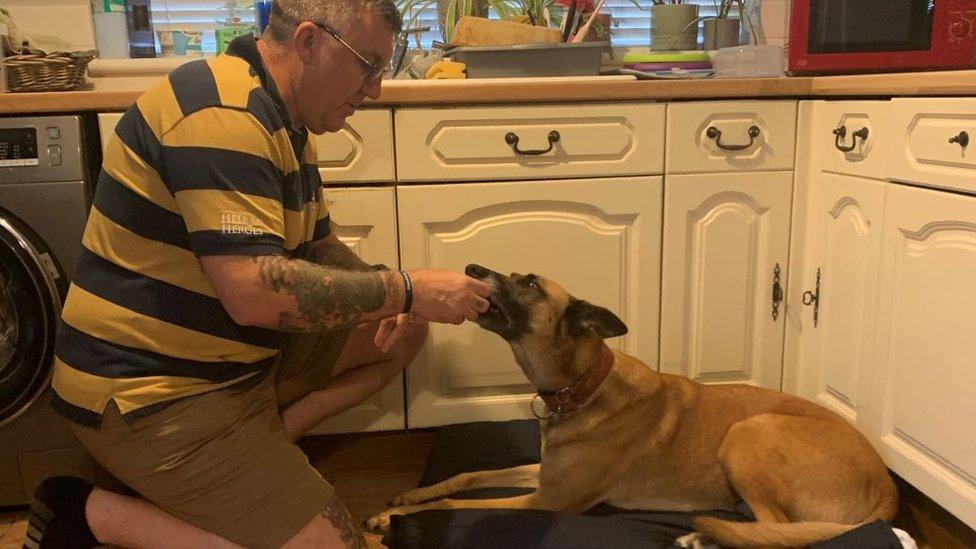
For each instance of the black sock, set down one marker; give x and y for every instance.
(57, 515)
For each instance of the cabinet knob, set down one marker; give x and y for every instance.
(962, 139)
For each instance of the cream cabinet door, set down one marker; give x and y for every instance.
(921, 404)
(726, 240)
(518, 142)
(843, 250)
(600, 239)
(365, 219)
(362, 151)
(106, 126)
(935, 142)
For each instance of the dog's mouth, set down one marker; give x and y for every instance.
(494, 314)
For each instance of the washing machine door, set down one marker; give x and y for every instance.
(31, 290)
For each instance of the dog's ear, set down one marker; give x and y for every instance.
(583, 317)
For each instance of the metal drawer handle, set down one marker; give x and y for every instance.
(962, 139)
(777, 292)
(813, 298)
(513, 139)
(714, 133)
(841, 132)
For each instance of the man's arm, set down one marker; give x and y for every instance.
(332, 252)
(293, 295)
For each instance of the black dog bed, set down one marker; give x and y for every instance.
(498, 445)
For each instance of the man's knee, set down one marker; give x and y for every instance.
(319, 532)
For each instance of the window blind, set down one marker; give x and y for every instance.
(631, 25)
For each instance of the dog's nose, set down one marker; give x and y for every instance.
(476, 271)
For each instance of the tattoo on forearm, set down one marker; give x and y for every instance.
(336, 513)
(326, 298)
(333, 253)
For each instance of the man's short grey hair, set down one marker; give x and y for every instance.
(285, 14)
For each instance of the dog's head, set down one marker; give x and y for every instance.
(530, 307)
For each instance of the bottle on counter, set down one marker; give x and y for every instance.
(3, 53)
(231, 23)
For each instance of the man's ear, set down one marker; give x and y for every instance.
(583, 318)
(304, 39)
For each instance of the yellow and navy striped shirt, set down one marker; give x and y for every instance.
(205, 163)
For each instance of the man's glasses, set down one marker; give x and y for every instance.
(374, 71)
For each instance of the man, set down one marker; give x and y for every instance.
(167, 360)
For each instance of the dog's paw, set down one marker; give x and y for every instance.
(380, 522)
(409, 497)
(695, 540)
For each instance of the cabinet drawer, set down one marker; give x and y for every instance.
(937, 142)
(495, 143)
(724, 136)
(852, 137)
(362, 151)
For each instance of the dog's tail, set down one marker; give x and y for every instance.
(768, 534)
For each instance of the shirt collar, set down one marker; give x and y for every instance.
(246, 47)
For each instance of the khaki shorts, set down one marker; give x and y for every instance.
(222, 460)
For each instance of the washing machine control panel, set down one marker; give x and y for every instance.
(41, 149)
(18, 147)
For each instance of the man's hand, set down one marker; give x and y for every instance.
(390, 331)
(447, 296)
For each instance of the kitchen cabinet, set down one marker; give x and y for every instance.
(938, 138)
(529, 142)
(727, 201)
(839, 291)
(921, 404)
(834, 290)
(599, 238)
(726, 240)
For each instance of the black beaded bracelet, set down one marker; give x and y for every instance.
(408, 290)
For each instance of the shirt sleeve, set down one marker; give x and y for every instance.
(226, 172)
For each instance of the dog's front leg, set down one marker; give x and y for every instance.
(380, 523)
(523, 476)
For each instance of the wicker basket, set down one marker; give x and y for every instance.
(58, 71)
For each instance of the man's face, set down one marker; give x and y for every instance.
(334, 83)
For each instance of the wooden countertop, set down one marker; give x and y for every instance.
(546, 90)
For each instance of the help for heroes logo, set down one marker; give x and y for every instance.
(240, 223)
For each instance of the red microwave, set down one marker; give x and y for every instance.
(838, 36)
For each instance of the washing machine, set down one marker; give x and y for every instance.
(44, 200)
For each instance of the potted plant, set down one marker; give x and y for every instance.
(448, 12)
(722, 31)
(674, 25)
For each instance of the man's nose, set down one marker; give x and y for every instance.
(371, 89)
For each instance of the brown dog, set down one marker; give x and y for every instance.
(622, 434)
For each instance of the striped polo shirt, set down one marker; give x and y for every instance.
(205, 163)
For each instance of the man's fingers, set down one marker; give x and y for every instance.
(481, 304)
(397, 332)
(480, 288)
(383, 332)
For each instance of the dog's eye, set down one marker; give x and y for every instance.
(532, 285)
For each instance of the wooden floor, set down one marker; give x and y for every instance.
(367, 470)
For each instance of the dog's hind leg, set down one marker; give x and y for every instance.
(807, 479)
(523, 476)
